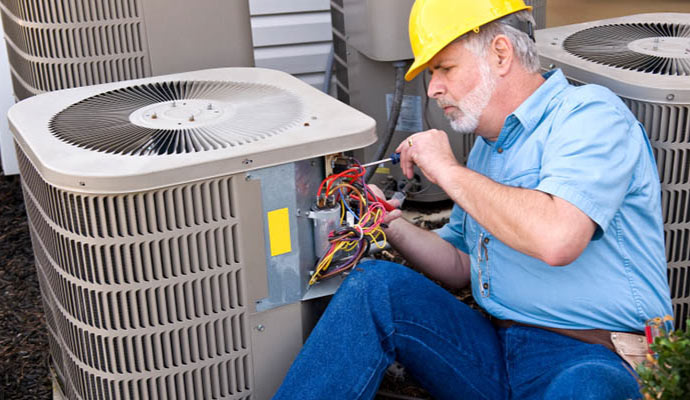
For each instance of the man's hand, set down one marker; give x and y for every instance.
(430, 151)
(391, 215)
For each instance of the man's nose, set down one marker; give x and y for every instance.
(436, 88)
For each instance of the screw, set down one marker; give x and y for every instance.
(82, 184)
(299, 212)
(260, 328)
(154, 116)
(552, 66)
(247, 161)
(248, 177)
(191, 119)
(210, 106)
(670, 97)
(306, 124)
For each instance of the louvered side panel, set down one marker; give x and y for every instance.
(145, 294)
(56, 45)
(668, 128)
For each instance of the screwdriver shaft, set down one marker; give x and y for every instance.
(385, 160)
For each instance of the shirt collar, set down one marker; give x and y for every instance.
(531, 111)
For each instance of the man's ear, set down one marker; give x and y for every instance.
(501, 54)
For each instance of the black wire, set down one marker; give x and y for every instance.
(400, 68)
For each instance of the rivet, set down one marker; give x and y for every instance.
(191, 118)
(671, 96)
(154, 116)
(260, 328)
(552, 66)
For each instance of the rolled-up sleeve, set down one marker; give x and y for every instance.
(454, 231)
(586, 159)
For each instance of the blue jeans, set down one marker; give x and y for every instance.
(385, 312)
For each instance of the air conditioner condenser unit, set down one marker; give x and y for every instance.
(169, 225)
(644, 59)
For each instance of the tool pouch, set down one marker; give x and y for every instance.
(630, 347)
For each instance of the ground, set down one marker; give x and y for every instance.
(23, 337)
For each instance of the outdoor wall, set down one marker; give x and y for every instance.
(292, 36)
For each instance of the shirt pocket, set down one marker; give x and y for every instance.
(528, 179)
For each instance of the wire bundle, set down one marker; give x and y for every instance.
(360, 222)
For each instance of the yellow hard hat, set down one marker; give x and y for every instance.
(436, 23)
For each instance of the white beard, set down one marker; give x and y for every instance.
(470, 108)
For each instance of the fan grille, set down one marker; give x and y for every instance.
(248, 112)
(669, 52)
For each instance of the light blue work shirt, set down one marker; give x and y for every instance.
(581, 144)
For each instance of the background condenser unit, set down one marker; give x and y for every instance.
(170, 224)
(644, 59)
(60, 44)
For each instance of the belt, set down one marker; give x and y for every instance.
(630, 346)
(592, 336)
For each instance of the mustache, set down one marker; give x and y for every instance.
(445, 103)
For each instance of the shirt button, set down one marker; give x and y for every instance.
(500, 150)
(486, 240)
(485, 286)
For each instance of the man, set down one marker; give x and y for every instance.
(557, 228)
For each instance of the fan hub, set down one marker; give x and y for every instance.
(662, 46)
(181, 114)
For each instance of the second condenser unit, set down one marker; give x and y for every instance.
(644, 59)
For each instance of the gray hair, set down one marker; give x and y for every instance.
(524, 46)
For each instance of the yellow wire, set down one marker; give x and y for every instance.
(374, 235)
(325, 263)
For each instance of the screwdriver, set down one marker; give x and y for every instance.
(393, 159)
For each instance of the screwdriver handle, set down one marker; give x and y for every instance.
(395, 158)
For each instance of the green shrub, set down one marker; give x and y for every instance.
(667, 377)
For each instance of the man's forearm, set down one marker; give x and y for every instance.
(429, 253)
(532, 222)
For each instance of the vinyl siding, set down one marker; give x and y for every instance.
(292, 36)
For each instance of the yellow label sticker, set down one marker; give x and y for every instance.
(279, 231)
(383, 170)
